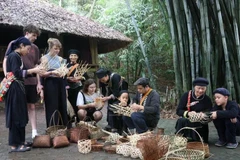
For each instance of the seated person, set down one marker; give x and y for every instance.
(226, 116)
(116, 121)
(146, 107)
(192, 102)
(86, 103)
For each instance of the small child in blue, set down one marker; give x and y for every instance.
(226, 116)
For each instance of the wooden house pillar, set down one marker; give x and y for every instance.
(94, 54)
(93, 50)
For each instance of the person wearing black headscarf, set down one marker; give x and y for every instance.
(193, 102)
(75, 83)
(15, 98)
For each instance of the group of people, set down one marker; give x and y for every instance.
(225, 114)
(32, 81)
(22, 58)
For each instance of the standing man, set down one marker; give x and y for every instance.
(32, 84)
(145, 107)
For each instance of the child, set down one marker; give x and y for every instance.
(226, 116)
(116, 120)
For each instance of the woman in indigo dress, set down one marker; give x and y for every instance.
(199, 102)
(75, 83)
(15, 98)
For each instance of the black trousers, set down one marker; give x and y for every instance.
(16, 135)
(115, 121)
(202, 129)
(55, 99)
(227, 131)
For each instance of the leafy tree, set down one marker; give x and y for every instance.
(153, 28)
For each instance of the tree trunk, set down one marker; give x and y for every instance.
(175, 56)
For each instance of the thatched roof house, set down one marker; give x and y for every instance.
(73, 30)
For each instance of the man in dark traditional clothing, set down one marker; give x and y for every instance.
(146, 108)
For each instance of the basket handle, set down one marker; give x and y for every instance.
(194, 129)
(53, 121)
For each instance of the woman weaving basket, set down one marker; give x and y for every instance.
(89, 103)
(194, 103)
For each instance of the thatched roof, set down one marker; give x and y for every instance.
(50, 17)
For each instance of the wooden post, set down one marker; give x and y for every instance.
(94, 55)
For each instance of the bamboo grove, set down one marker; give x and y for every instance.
(205, 39)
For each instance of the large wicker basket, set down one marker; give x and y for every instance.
(191, 154)
(78, 133)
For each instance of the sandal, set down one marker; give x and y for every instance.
(28, 144)
(13, 149)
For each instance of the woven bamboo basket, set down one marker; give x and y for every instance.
(172, 158)
(95, 132)
(84, 146)
(190, 154)
(198, 146)
(78, 133)
(56, 129)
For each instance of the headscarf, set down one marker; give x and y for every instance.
(16, 44)
(222, 91)
(74, 51)
(200, 81)
(101, 72)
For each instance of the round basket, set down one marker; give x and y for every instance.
(190, 154)
(198, 146)
(172, 158)
(178, 142)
